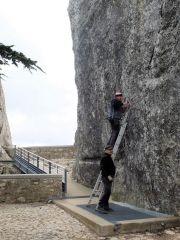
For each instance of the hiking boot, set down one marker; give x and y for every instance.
(109, 209)
(101, 210)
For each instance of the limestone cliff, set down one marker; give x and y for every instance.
(5, 135)
(132, 46)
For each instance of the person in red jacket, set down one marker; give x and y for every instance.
(107, 171)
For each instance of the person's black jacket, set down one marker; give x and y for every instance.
(116, 109)
(107, 166)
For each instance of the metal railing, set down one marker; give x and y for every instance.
(42, 164)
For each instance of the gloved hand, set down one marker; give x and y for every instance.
(110, 178)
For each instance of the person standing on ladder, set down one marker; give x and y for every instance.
(117, 108)
(108, 172)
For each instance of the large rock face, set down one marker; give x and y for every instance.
(5, 135)
(132, 46)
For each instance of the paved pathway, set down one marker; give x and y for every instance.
(75, 189)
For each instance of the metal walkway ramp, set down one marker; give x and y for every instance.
(27, 167)
(30, 163)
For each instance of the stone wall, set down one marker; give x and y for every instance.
(132, 46)
(53, 152)
(27, 188)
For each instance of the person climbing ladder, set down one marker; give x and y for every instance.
(104, 181)
(117, 109)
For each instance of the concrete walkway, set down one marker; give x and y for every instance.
(75, 189)
(109, 225)
(124, 219)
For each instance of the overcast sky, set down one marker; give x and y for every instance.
(41, 108)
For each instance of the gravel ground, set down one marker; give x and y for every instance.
(49, 222)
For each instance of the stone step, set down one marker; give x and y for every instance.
(124, 218)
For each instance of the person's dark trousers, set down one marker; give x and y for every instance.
(104, 199)
(115, 127)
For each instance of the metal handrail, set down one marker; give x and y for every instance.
(47, 166)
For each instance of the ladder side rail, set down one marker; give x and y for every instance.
(120, 135)
(95, 187)
(118, 141)
(98, 188)
(97, 183)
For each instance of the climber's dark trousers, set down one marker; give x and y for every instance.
(115, 127)
(104, 199)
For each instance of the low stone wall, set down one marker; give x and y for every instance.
(53, 152)
(27, 188)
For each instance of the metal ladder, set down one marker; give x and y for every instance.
(98, 188)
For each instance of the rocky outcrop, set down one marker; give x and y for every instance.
(5, 135)
(132, 46)
(9, 168)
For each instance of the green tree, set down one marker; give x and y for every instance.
(9, 56)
